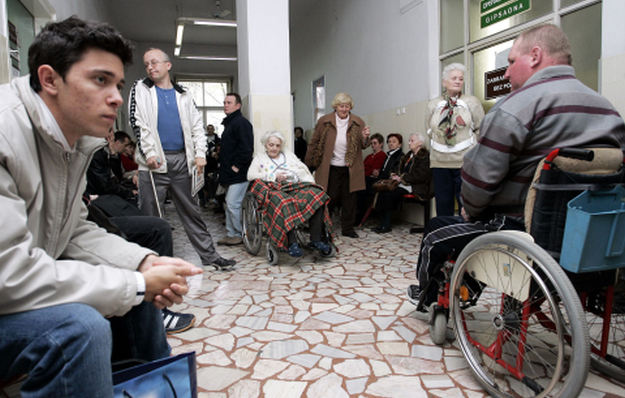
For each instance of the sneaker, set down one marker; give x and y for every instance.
(231, 241)
(176, 322)
(412, 293)
(223, 264)
(295, 250)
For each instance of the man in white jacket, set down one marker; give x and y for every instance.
(60, 275)
(171, 143)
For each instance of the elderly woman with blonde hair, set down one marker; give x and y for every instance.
(284, 187)
(335, 153)
(452, 122)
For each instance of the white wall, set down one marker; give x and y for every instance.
(366, 48)
(613, 35)
(613, 53)
(95, 10)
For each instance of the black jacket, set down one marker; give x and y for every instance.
(237, 148)
(100, 177)
(391, 165)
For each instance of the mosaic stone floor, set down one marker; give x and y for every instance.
(316, 328)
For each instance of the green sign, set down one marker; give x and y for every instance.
(487, 5)
(505, 12)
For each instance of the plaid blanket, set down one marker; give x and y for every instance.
(287, 205)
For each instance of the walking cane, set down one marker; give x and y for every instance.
(158, 204)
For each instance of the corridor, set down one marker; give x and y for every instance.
(322, 328)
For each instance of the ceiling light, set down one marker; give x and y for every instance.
(179, 33)
(215, 22)
(208, 58)
(177, 51)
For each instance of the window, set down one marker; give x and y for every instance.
(319, 98)
(209, 98)
(480, 33)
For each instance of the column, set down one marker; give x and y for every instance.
(264, 66)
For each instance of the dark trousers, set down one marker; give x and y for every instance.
(140, 334)
(315, 226)
(362, 196)
(146, 231)
(340, 196)
(445, 237)
(387, 203)
(447, 184)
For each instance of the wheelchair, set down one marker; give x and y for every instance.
(527, 326)
(253, 231)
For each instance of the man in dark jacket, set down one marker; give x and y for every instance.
(235, 157)
(104, 176)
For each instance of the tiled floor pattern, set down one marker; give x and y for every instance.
(322, 328)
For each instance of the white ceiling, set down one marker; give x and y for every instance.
(154, 21)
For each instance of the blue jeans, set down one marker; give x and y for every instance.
(66, 349)
(234, 197)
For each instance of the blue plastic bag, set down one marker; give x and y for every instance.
(174, 377)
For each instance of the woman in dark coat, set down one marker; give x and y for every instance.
(414, 176)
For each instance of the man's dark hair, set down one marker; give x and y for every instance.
(300, 129)
(236, 96)
(121, 136)
(62, 44)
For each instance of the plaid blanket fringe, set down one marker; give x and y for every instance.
(287, 205)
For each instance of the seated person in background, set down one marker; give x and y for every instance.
(373, 165)
(300, 145)
(376, 159)
(286, 190)
(110, 196)
(105, 175)
(394, 154)
(62, 278)
(130, 167)
(414, 176)
(547, 109)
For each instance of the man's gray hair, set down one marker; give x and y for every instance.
(165, 56)
(270, 134)
(452, 67)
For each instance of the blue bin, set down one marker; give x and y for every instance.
(594, 234)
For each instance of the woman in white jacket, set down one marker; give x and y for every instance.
(286, 190)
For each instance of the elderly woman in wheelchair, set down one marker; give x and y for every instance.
(283, 187)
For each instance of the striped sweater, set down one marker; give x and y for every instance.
(552, 110)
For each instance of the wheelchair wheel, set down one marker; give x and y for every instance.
(330, 253)
(612, 362)
(252, 224)
(272, 254)
(521, 332)
(438, 324)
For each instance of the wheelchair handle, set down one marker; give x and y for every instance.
(573, 153)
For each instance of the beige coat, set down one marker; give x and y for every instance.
(356, 170)
(471, 113)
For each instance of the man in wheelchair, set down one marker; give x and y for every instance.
(547, 109)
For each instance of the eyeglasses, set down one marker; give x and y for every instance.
(153, 63)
